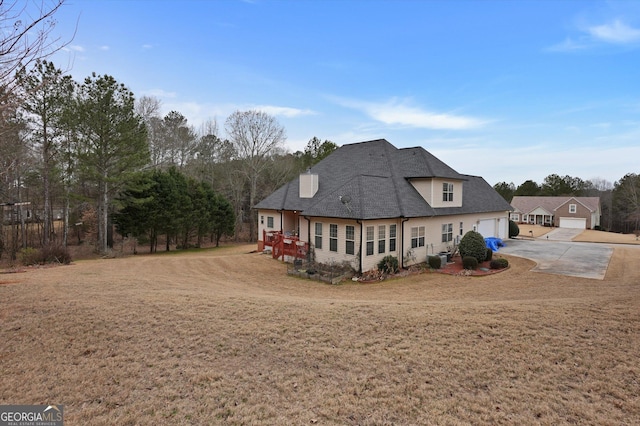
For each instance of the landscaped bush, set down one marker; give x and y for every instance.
(388, 264)
(489, 255)
(469, 262)
(514, 229)
(473, 244)
(435, 262)
(499, 263)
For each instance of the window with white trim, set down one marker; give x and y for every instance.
(382, 239)
(417, 236)
(350, 233)
(461, 228)
(447, 191)
(573, 208)
(447, 232)
(269, 221)
(333, 237)
(392, 238)
(370, 238)
(318, 235)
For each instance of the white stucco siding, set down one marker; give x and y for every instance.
(325, 254)
(370, 261)
(264, 222)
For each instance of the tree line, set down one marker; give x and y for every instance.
(620, 201)
(69, 147)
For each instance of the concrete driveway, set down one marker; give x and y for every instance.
(586, 260)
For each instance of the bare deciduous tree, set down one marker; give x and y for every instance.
(256, 136)
(25, 36)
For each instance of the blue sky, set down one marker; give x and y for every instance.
(507, 90)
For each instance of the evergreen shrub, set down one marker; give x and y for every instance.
(469, 262)
(499, 263)
(473, 244)
(388, 264)
(514, 229)
(489, 255)
(435, 262)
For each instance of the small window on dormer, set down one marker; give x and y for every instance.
(573, 208)
(447, 191)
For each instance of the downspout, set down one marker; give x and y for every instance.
(281, 222)
(360, 249)
(402, 243)
(308, 237)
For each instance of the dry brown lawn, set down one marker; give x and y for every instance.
(226, 337)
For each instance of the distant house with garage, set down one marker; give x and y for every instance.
(370, 199)
(562, 212)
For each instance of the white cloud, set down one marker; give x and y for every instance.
(615, 32)
(283, 111)
(147, 46)
(74, 48)
(397, 112)
(160, 93)
(105, 47)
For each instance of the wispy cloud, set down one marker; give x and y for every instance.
(74, 48)
(401, 113)
(105, 47)
(283, 111)
(160, 93)
(147, 46)
(615, 32)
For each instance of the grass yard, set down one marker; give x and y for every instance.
(226, 337)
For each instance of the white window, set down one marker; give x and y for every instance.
(333, 237)
(318, 235)
(447, 191)
(370, 237)
(350, 239)
(269, 221)
(461, 228)
(382, 239)
(417, 236)
(573, 208)
(447, 232)
(392, 238)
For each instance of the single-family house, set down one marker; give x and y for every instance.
(562, 212)
(370, 199)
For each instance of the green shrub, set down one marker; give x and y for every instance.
(388, 264)
(435, 262)
(473, 244)
(469, 262)
(489, 255)
(29, 256)
(499, 263)
(47, 254)
(514, 229)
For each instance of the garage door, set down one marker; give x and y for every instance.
(573, 222)
(487, 228)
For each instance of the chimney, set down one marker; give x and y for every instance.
(308, 185)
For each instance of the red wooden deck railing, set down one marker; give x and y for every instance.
(283, 245)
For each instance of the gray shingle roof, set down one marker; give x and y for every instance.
(374, 176)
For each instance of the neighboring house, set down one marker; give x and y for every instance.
(368, 200)
(563, 212)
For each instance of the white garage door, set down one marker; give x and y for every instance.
(573, 222)
(487, 228)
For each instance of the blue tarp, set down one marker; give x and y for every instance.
(493, 243)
